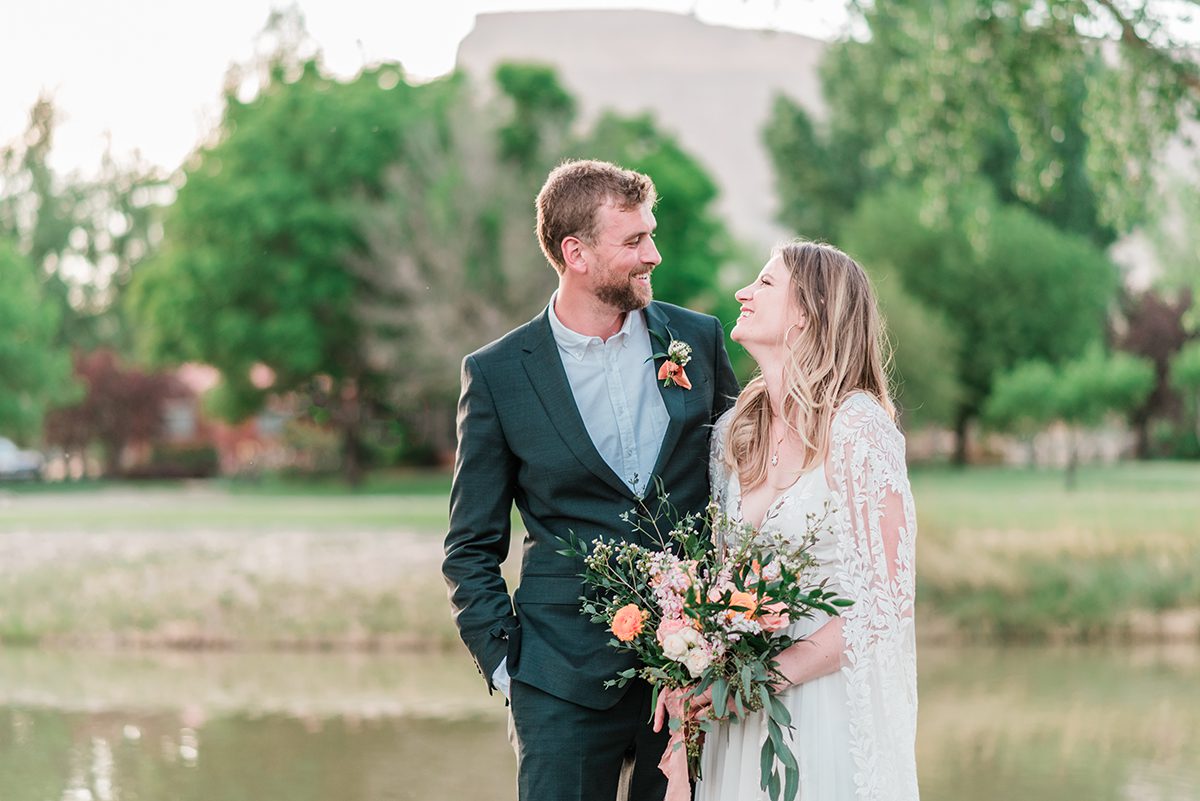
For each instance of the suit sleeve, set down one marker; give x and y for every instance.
(727, 386)
(480, 525)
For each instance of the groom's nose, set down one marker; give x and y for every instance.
(649, 253)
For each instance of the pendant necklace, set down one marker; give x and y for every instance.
(778, 445)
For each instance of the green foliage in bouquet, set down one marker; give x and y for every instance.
(707, 605)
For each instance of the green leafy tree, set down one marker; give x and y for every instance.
(1064, 105)
(100, 227)
(450, 239)
(35, 371)
(1097, 385)
(1081, 393)
(1011, 286)
(1175, 236)
(923, 343)
(1023, 402)
(254, 267)
(539, 116)
(1185, 377)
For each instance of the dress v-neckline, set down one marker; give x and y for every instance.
(775, 502)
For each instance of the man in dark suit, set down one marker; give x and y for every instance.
(566, 417)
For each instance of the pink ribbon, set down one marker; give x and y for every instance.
(674, 762)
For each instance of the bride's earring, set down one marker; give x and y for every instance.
(788, 333)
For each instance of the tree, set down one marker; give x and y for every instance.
(539, 118)
(1080, 393)
(1185, 377)
(254, 269)
(1175, 236)
(1012, 287)
(83, 236)
(35, 371)
(121, 405)
(1096, 385)
(1151, 325)
(450, 261)
(1055, 101)
(923, 343)
(1023, 402)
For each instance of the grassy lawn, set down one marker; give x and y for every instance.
(1003, 554)
(1011, 554)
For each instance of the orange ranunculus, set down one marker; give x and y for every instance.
(627, 623)
(674, 372)
(744, 602)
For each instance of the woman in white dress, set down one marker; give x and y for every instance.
(814, 432)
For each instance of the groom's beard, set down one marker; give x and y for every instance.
(625, 293)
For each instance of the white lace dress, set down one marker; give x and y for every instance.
(854, 730)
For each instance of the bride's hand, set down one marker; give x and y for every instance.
(700, 705)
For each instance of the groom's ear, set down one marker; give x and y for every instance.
(574, 255)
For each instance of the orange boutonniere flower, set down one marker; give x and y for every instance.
(678, 354)
(670, 372)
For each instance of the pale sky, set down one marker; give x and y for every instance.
(149, 73)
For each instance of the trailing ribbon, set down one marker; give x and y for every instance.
(674, 762)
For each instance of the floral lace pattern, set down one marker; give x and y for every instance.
(869, 557)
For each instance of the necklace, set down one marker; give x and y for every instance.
(778, 445)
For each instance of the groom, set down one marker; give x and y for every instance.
(566, 418)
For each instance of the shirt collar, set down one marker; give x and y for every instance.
(576, 344)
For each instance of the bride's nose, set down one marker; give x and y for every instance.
(743, 294)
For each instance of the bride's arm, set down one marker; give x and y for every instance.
(815, 656)
(867, 473)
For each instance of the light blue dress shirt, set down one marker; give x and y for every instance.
(615, 388)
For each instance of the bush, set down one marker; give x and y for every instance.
(179, 461)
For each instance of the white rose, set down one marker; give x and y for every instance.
(675, 645)
(696, 661)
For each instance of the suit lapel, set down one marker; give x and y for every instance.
(544, 367)
(657, 322)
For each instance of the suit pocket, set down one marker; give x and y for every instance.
(549, 590)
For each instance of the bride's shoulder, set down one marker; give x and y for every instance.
(860, 415)
(720, 432)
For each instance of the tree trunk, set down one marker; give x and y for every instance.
(349, 420)
(1141, 429)
(1072, 460)
(960, 437)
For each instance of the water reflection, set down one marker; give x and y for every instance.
(1033, 724)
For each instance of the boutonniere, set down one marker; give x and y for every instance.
(677, 354)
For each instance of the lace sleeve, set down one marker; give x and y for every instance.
(718, 468)
(876, 545)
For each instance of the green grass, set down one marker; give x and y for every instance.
(1012, 555)
(1003, 554)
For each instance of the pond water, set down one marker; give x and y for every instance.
(1036, 724)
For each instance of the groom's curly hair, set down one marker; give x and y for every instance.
(568, 202)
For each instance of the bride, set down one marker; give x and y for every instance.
(815, 431)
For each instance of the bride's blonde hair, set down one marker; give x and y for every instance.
(841, 350)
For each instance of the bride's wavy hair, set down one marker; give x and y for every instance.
(842, 349)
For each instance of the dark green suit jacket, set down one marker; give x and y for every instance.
(521, 440)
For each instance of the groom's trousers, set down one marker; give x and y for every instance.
(567, 752)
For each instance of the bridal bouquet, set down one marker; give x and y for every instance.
(707, 607)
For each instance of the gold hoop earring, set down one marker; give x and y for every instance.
(787, 333)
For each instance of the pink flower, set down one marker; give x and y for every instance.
(775, 617)
(669, 626)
